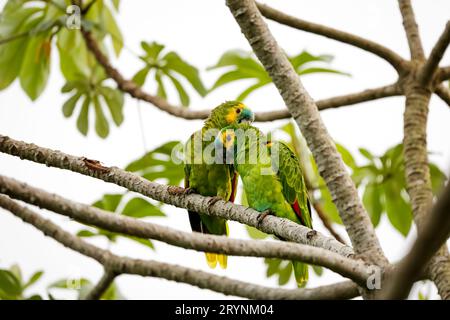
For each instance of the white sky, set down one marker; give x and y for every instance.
(200, 31)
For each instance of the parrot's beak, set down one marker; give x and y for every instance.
(247, 116)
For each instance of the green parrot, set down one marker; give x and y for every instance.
(273, 180)
(208, 178)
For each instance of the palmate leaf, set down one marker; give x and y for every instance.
(168, 66)
(240, 65)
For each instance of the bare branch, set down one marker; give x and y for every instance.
(444, 93)
(430, 238)
(136, 92)
(428, 70)
(149, 268)
(365, 44)
(101, 287)
(444, 74)
(353, 269)
(173, 195)
(306, 114)
(411, 29)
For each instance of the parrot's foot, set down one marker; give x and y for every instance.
(213, 200)
(189, 191)
(263, 215)
(311, 234)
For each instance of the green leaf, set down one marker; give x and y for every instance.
(398, 210)
(86, 234)
(69, 105)
(140, 76)
(305, 57)
(109, 202)
(346, 156)
(73, 55)
(116, 4)
(327, 203)
(175, 63)
(33, 279)
(101, 124)
(113, 29)
(145, 242)
(255, 233)
(152, 49)
(36, 66)
(285, 274)
(366, 154)
(321, 70)
(184, 97)
(161, 91)
(114, 100)
(230, 76)
(244, 94)
(372, 200)
(437, 178)
(9, 283)
(140, 208)
(318, 270)
(83, 117)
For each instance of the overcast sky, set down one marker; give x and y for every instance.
(200, 31)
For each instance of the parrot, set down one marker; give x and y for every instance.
(272, 185)
(209, 178)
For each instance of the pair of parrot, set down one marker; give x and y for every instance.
(275, 186)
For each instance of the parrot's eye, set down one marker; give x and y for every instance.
(238, 110)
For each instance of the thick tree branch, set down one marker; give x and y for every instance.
(383, 52)
(354, 269)
(444, 93)
(411, 29)
(306, 114)
(430, 238)
(103, 285)
(136, 92)
(428, 70)
(176, 196)
(172, 272)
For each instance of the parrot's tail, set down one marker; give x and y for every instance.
(213, 258)
(301, 273)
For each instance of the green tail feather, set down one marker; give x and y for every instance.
(301, 273)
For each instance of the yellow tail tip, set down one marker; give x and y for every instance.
(211, 259)
(223, 259)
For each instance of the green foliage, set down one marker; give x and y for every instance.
(83, 287)
(158, 164)
(13, 286)
(135, 207)
(242, 65)
(168, 67)
(26, 33)
(283, 270)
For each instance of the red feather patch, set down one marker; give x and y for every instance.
(298, 211)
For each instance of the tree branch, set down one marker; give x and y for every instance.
(383, 52)
(411, 29)
(428, 70)
(305, 113)
(103, 285)
(172, 272)
(347, 267)
(444, 93)
(444, 74)
(430, 238)
(173, 195)
(136, 92)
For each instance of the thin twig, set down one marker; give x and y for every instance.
(444, 93)
(365, 44)
(326, 222)
(411, 29)
(100, 288)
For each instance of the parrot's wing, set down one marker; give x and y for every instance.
(294, 187)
